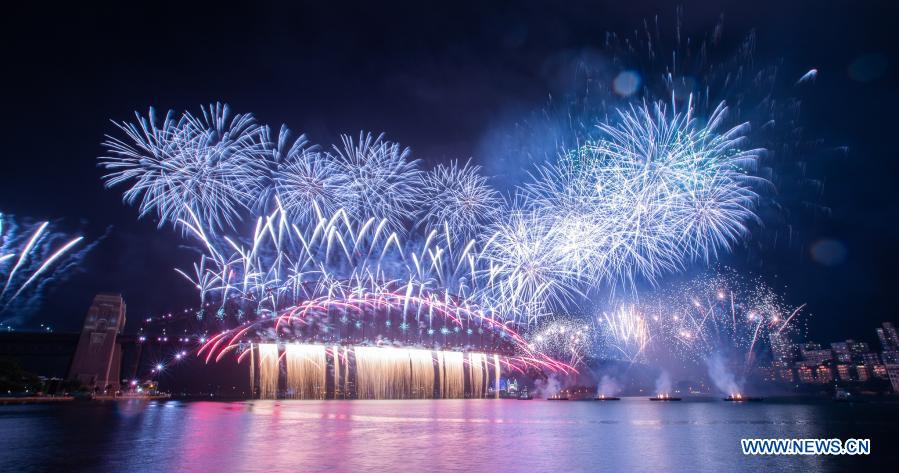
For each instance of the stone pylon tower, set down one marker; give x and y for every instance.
(98, 358)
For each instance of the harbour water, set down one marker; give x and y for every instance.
(425, 435)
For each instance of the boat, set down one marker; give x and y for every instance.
(606, 398)
(524, 395)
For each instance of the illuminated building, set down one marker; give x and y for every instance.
(889, 341)
(814, 355)
(858, 348)
(843, 372)
(781, 350)
(862, 373)
(870, 359)
(786, 375)
(893, 373)
(890, 357)
(841, 351)
(823, 375)
(806, 375)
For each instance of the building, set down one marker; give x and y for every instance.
(870, 359)
(843, 373)
(841, 351)
(806, 375)
(98, 357)
(890, 357)
(814, 355)
(823, 375)
(781, 350)
(889, 340)
(786, 375)
(862, 373)
(857, 349)
(893, 373)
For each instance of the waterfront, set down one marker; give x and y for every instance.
(449, 435)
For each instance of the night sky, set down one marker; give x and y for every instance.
(440, 79)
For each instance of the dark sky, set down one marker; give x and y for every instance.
(437, 78)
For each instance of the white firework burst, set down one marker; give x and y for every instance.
(658, 191)
(381, 181)
(307, 183)
(459, 197)
(525, 269)
(209, 163)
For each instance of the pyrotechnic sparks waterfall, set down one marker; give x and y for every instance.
(382, 373)
(268, 370)
(477, 369)
(452, 374)
(422, 373)
(346, 372)
(335, 353)
(496, 375)
(373, 372)
(306, 371)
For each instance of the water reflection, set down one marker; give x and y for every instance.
(448, 435)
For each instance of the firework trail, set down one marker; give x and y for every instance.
(335, 279)
(720, 314)
(625, 333)
(29, 260)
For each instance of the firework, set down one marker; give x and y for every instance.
(568, 339)
(626, 333)
(29, 260)
(381, 181)
(306, 182)
(210, 163)
(525, 271)
(658, 191)
(720, 314)
(460, 198)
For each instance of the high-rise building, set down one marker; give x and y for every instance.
(893, 373)
(781, 350)
(841, 351)
(889, 341)
(858, 348)
(809, 346)
(98, 357)
(814, 355)
(870, 359)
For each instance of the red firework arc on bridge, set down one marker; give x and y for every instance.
(312, 321)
